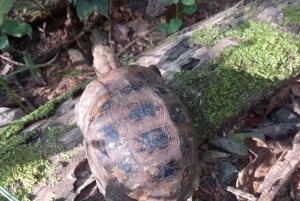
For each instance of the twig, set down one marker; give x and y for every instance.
(6, 87)
(45, 10)
(132, 42)
(279, 174)
(239, 192)
(236, 5)
(13, 62)
(77, 40)
(81, 33)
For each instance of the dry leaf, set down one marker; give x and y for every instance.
(253, 174)
(121, 34)
(295, 88)
(278, 99)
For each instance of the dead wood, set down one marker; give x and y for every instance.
(171, 54)
(279, 174)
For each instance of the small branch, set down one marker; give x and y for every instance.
(6, 87)
(241, 193)
(132, 42)
(11, 61)
(279, 174)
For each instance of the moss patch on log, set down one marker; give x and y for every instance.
(27, 163)
(219, 90)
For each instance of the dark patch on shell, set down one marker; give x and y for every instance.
(107, 105)
(169, 171)
(111, 137)
(141, 110)
(177, 115)
(154, 139)
(128, 166)
(130, 88)
(99, 146)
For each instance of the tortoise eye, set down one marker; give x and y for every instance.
(162, 90)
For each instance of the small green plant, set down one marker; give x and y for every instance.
(16, 29)
(127, 61)
(210, 36)
(65, 157)
(217, 92)
(84, 8)
(29, 163)
(292, 15)
(9, 26)
(71, 73)
(175, 23)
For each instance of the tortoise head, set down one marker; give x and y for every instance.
(104, 58)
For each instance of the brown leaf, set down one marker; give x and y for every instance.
(121, 34)
(253, 174)
(117, 16)
(295, 88)
(140, 28)
(155, 8)
(254, 120)
(278, 99)
(295, 106)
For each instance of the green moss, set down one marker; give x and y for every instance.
(127, 61)
(29, 163)
(210, 36)
(71, 73)
(64, 157)
(252, 8)
(292, 15)
(263, 58)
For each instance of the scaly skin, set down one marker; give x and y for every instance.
(104, 58)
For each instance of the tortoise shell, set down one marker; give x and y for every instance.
(139, 138)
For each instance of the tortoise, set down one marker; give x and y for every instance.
(139, 138)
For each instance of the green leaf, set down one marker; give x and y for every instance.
(1, 19)
(175, 24)
(29, 63)
(188, 2)
(9, 91)
(4, 44)
(189, 9)
(14, 28)
(163, 1)
(101, 7)
(163, 27)
(84, 8)
(5, 6)
(74, 2)
(175, 1)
